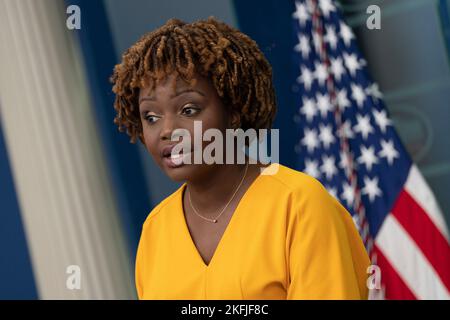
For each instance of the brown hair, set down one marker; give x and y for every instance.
(233, 62)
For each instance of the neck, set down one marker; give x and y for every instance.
(210, 193)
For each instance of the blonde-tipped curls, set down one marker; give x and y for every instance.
(231, 60)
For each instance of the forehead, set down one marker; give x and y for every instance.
(173, 84)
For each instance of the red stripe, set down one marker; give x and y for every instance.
(424, 232)
(395, 288)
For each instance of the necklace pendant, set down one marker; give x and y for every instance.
(223, 210)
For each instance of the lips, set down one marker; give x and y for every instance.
(172, 160)
(166, 151)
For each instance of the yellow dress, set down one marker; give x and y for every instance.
(287, 239)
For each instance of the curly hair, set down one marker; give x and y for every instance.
(230, 59)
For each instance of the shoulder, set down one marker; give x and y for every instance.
(162, 207)
(294, 182)
(308, 198)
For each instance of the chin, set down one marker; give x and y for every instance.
(180, 174)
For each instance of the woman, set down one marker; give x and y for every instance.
(231, 231)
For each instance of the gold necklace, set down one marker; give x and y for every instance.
(226, 206)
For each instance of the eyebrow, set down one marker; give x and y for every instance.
(178, 93)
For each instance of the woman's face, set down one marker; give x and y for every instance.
(166, 109)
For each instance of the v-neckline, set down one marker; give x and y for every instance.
(229, 226)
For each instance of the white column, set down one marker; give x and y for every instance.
(68, 208)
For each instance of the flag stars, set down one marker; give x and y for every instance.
(368, 157)
(303, 46)
(381, 119)
(323, 104)
(321, 73)
(374, 90)
(328, 167)
(370, 188)
(351, 62)
(326, 135)
(308, 108)
(331, 37)
(326, 6)
(388, 151)
(358, 95)
(310, 139)
(337, 68)
(338, 165)
(306, 77)
(346, 34)
(348, 194)
(301, 13)
(342, 100)
(363, 126)
(311, 168)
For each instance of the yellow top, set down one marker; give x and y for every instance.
(287, 239)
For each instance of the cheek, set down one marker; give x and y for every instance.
(150, 140)
(217, 118)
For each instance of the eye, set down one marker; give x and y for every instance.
(190, 110)
(151, 118)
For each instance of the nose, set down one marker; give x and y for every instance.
(168, 127)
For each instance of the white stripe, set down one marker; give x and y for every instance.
(409, 262)
(418, 188)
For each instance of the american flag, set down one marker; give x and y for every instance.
(347, 141)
